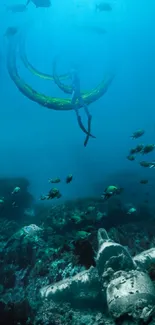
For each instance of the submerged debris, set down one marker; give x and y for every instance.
(59, 244)
(31, 229)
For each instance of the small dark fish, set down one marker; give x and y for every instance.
(95, 29)
(148, 148)
(145, 164)
(69, 178)
(130, 157)
(54, 193)
(139, 148)
(1, 201)
(54, 180)
(40, 3)
(16, 8)
(111, 191)
(90, 209)
(137, 134)
(14, 205)
(144, 181)
(103, 6)
(132, 151)
(79, 5)
(11, 31)
(59, 195)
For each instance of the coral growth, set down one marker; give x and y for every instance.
(65, 245)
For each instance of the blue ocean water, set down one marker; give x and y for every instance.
(38, 143)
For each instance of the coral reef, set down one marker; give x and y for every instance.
(62, 247)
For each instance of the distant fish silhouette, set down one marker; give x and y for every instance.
(11, 31)
(95, 29)
(103, 6)
(40, 3)
(16, 8)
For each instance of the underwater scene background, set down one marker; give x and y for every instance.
(77, 168)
